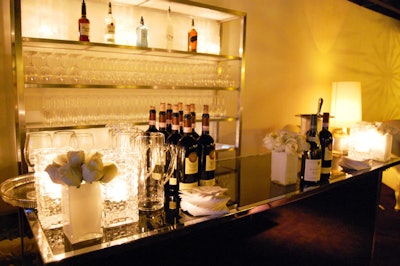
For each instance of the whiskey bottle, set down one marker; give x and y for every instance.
(192, 39)
(193, 114)
(109, 35)
(188, 162)
(142, 34)
(326, 140)
(310, 172)
(207, 153)
(84, 25)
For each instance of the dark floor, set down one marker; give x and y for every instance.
(387, 245)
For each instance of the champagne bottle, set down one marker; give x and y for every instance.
(170, 30)
(109, 36)
(162, 121)
(207, 153)
(188, 162)
(152, 120)
(193, 114)
(192, 39)
(142, 34)
(169, 118)
(326, 140)
(84, 25)
(311, 159)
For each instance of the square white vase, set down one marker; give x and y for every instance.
(284, 168)
(82, 211)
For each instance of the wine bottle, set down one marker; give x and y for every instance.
(162, 121)
(193, 114)
(180, 106)
(207, 153)
(192, 39)
(170, 30)
(84, 25)
(109, 35)
(142, 34)
(152, 120)
(188, 161)
(169, 118)
(326, 140)
(173, 139)
(311, 159)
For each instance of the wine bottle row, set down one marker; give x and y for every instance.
(316, 163)
(141, 30)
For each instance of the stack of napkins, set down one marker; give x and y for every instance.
(204, 200)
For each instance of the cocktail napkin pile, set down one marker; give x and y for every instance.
(348, 163)
(204, 200)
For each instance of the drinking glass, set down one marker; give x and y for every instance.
(35, 141)
(155, 169)
(82, 141)
(62, 139)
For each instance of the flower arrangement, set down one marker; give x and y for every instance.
(72, 168)
(286, 141)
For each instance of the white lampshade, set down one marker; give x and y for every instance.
(346, 107)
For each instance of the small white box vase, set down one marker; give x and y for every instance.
(82, 211)
(284, 167)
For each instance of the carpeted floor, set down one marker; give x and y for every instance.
(387, 245)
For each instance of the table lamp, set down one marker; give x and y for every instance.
(346, 109)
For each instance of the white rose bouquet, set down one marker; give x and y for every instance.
(286, 141)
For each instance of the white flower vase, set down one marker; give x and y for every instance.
(284, 167)
(82, 211)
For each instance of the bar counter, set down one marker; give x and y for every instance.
(331, 223)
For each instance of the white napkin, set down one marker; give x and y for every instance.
(204, 200)
(354, 164)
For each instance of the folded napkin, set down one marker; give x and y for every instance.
(354, 164)
(204, 200)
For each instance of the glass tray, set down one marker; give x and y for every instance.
(19, 191)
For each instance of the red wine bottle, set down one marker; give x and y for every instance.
(207, 153)
(326, 140)
(310, 173)
(169, 118)
(173, 139)
(193, 114)
(152, 120)
(188, 161)
(162, 121)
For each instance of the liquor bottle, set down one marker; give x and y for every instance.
(141, 34)
(84, 25)
(326, 140)
(188, 161)
(192, 39)
(311, 159)
(109, 35)
(193, 114)
(152, 120)
(169, 118)
(173, 139)
(180, 106)
(170, 30)
(162, 121)
(207, 153)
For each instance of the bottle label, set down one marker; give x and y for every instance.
(191, 164)
(328, 153)
(84, 29)
(183, 186)
(172, 205)
(187, 129)
(110, 29)
(210, 161)
(193, 39)
(205, 128)
(312, 170)
(156, 176)
(152, 122)
(210, 182)
(162, 124)
(173, 181)
(326, 170)
(175, 127)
